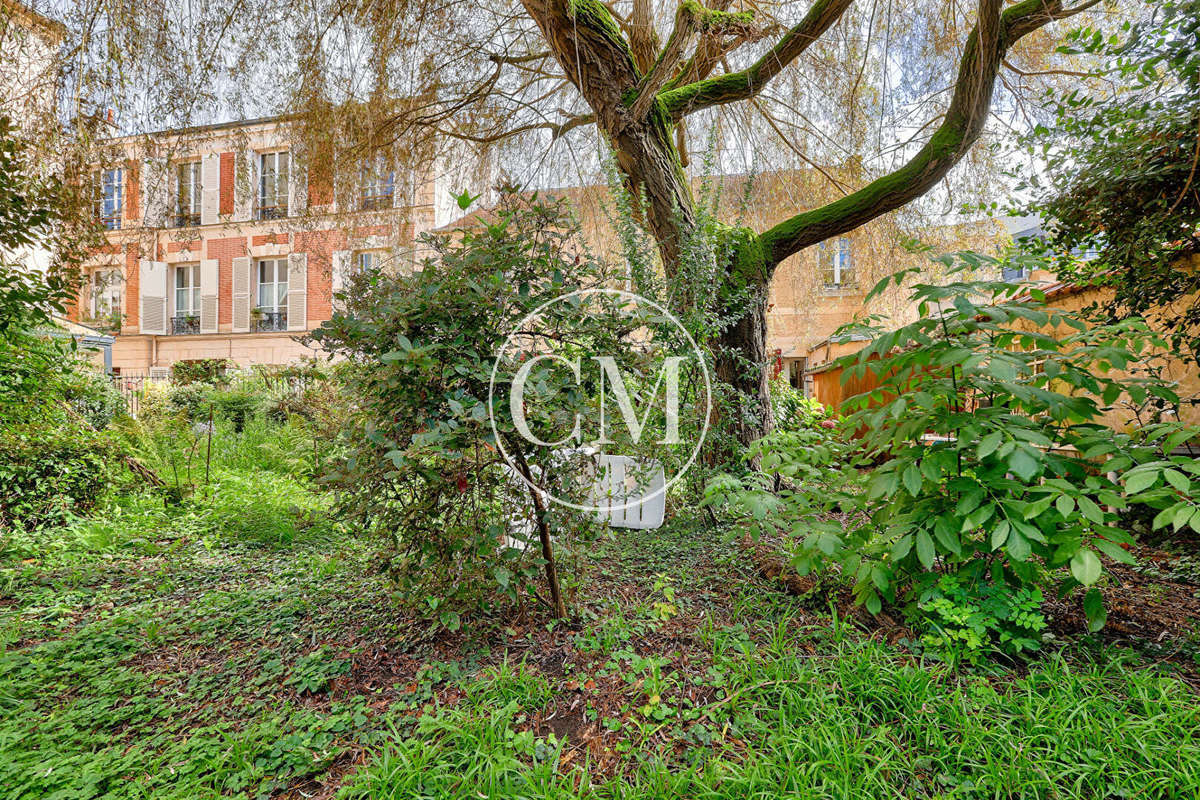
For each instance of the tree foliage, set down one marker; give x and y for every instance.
(1122, 172)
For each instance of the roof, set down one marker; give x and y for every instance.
(35, 21)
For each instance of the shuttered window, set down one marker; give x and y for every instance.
(110, 197)
(273, 185)
(188, 194)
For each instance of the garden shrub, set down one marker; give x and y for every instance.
(988, 449)
(794, 411)
(423, 468)
(50, 473)
(91, 394)
(190, 399)
(201, 370)
(236, 405)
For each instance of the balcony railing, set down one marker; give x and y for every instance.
(375, 202)
(185, 325)
(266, 321)
(111, 223)
(185, 220)
(273, 212)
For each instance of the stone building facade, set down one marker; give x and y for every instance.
(222, 244)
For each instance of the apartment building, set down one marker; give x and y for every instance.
(223, 243)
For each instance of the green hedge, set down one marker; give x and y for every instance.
(49, 474)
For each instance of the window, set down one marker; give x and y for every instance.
(107, 292)
(1014, 274)
(188, 192)
(366, 261)
(796, 373)
(110, 197)
(273, 185)
(270, 314)
(378, 185)
(187, 299)
(837, 263)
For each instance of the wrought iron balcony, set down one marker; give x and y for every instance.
(273, 212)
(266, 321)
(185, 325)
(185, 220)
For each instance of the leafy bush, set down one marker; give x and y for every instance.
(986, 431)
(50, 474)
(190, 399)
(236, 405)
(794, 411)
(201, 370)
(91, 394)
(966, 614)
(424, 468)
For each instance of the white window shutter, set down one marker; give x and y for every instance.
(297, 292)
(209, 277)
(241, 294)
(156, 192)
(245, 187)
(210, 188)
(339, 272)
(152, 297)
(297, 189)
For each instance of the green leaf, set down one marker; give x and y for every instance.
(1164, 517)
(1065, 505)
(1000, 535)
(1093, 607)
(989, 443)
(1090, 510)
(1086, 567)
(902, 547)
(1113, 551)
(450, 620)
(925, 549)
(1017, 546)
(1140, 481)
(913, 480)
(1178, 480)
(1022, 464)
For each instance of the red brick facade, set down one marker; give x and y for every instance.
(225, 251)
(132, 286)
(225, 196)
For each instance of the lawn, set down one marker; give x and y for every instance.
(243, 645)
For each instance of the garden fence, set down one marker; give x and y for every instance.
(133, 386)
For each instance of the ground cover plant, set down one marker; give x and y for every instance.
(174, 652)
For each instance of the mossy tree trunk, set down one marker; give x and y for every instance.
(638, 108)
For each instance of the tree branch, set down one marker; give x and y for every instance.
(686, 27)
(746, 83)
(993, 34)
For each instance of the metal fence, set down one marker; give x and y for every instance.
(133, 387)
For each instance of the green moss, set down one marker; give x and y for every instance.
(594, 16)
(675, 100)
(746, 257)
